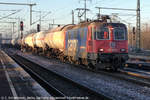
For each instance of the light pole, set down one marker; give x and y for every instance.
(138, 27)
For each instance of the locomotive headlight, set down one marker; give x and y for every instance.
(101, 50)
(122, 50)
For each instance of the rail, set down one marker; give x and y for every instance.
(58, 85)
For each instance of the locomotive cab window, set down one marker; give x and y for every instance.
(119, 33)
(102, 34)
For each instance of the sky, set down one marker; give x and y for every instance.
(61, 11)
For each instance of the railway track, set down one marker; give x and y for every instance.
(136, 72)
(57, 85)
(122, 74)
(141, 66)
(129, 76)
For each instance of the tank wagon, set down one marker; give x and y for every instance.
(28, 42)
(98, 44)
(38, 40)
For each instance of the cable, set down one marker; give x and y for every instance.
(10, 14)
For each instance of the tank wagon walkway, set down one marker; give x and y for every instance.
(15, 83)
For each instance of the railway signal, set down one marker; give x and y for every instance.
(38, 27)
(21, 26)
(133, 30)
(21, 29)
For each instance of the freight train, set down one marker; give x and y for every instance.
(97, 44)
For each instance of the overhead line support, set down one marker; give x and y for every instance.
(99, 8)
(138, 26)
(22, 4)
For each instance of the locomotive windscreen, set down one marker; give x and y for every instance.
(119, 34)
(102, 34)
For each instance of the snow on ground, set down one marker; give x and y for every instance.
(117, 89)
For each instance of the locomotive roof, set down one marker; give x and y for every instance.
(85, 24)
(71, 26)
(61, 28)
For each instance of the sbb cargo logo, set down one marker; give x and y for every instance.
(72, 45)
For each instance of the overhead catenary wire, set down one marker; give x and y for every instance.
(10, 14)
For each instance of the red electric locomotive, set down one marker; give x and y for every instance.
(108, 47)
(98, 44)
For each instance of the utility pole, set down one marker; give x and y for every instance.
(12, 29)
(30, 15)
(138, 27)
(85, 9)
(99, 14)
(53, 23)
(72, 17)
(40, 19)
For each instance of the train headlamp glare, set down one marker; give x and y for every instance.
(101, 50)
(122, 50)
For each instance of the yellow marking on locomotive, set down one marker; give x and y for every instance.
(82, 47)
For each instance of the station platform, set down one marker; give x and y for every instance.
(16, 84)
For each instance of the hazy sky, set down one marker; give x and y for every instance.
(61, 10)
